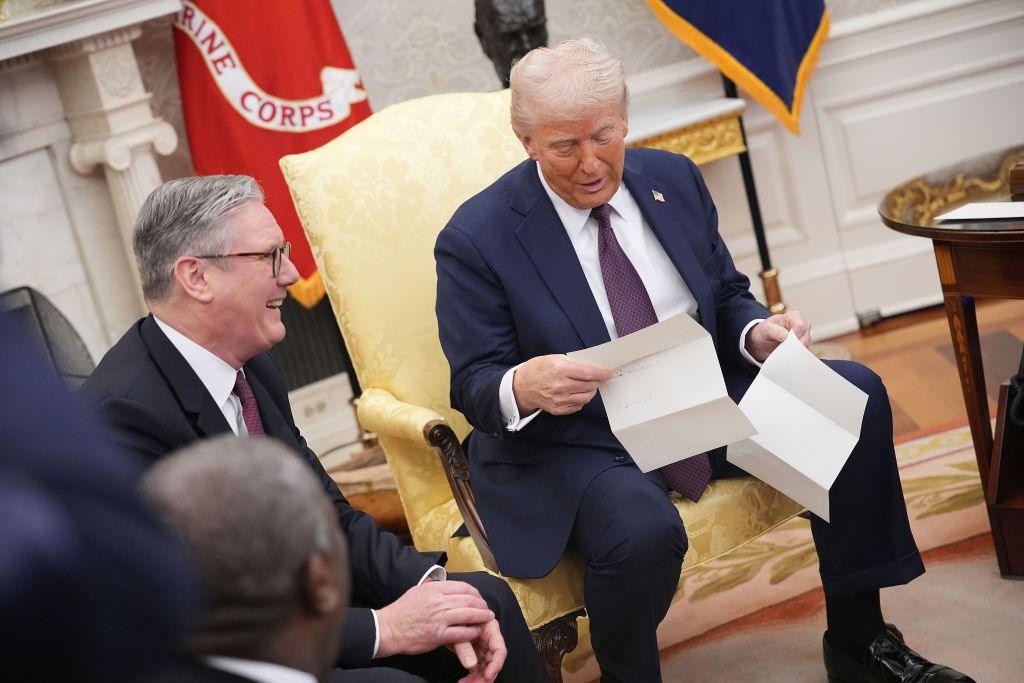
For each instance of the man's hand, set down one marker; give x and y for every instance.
(430, 615)
(764, 337)
(555, 385)
(484, 657)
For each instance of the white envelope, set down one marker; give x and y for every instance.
(808, 420)
(667, 400)
(984, 211)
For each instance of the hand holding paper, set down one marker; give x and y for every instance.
(556, 384)
(667, 399)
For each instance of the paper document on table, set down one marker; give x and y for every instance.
(808, 420)
(979, 211)
(667, 400)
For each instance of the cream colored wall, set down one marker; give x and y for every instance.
(410, 48)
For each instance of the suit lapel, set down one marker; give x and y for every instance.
(195, 400)
(665, 223)
(544, 238)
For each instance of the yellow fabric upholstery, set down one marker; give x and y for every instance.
(372, 202)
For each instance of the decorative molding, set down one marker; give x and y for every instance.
(703, 142)
(98, 43)
(116, 151)
(68, 22)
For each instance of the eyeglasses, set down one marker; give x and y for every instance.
(276, 255)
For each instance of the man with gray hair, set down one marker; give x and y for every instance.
(215, 269)
(585, 242)
(270, 559)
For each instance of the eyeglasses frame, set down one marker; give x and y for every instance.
(277, 255)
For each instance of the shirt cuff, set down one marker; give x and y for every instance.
(435, 573)
(743, 342)
(376, 633)
(507, 402)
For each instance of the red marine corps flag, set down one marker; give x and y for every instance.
(259, 81)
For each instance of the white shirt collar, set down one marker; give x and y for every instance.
(261, 672)
(574, 219)
(217, 376)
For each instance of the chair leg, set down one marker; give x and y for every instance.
(554, 640)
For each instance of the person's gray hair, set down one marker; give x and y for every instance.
(567, 82)
(250, 513)
(186, 217)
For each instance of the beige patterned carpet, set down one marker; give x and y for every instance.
(758, 614)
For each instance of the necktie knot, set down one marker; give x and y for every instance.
(603, 215)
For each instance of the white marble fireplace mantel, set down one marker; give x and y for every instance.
(78, 141)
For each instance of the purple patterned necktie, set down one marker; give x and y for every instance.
(250, 411)
(632, 310)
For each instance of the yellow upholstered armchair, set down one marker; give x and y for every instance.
(372, 203)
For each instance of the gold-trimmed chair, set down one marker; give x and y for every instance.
(372, 202)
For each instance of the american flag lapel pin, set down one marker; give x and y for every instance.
(658, 197)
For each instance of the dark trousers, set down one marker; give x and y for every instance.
(633, 540)
(523, 663)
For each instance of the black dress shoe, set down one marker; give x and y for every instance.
(886, 660)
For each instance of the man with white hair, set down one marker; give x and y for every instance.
(585, 242)
(214, 268)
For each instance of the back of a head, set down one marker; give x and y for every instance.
(251, 515)
(569, 81)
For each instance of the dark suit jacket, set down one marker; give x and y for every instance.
(510, 287)
(190, 670)
(91, 587)
(156, 403)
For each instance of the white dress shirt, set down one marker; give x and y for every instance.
(261, 672)
(666, 287)
(217, 376)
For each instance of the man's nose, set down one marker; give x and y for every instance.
(289, 274)
(589, 162)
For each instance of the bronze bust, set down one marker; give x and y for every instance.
(508, 29)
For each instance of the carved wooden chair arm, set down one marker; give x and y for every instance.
(380, 412)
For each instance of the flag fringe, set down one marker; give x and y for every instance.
(308, 290)
(741, 75)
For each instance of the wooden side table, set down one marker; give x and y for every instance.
(980, 259)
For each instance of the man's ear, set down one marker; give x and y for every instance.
(190, 274)
(528, 145)
(320, 589)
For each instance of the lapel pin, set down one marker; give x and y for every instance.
(658, 197)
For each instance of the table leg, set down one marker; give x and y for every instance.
(963, 328)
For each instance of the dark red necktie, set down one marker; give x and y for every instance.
(250, 411)
(632, 310)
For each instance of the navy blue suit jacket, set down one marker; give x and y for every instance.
(510, 288)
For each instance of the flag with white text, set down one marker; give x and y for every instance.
(261, 79)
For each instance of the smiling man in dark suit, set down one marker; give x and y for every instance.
(214, 268)
(585, 242)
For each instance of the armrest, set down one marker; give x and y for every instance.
(380, 412)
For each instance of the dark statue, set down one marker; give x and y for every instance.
(508, 29)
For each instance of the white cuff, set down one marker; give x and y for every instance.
(435, 573)
(743, 342)
(376, 633)
(507, 402)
